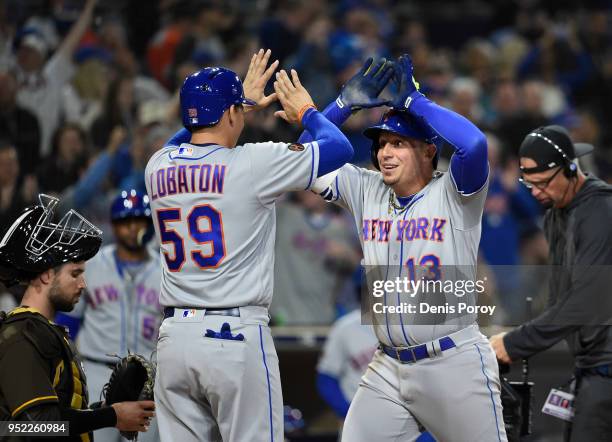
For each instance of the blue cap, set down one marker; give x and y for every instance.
(400, 123)
(208, 93)
(403, 124)
(130, 204)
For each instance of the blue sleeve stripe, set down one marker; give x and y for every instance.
(338, 196)
(490, 392)
(263, 355)
(312, 153)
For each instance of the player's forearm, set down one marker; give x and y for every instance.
(533, 337)
(335, 150)
(334, 113)
(89, 185)
(78, 29)
(329, 389)
(469, 163)
(80, 421)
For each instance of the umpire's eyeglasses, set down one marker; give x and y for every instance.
(542, 185)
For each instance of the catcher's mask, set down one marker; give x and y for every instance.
(34, 243)
(400, 123)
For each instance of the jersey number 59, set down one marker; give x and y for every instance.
(213, 235)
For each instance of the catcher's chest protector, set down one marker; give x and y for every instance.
(51, 341)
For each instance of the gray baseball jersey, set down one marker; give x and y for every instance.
(214, 215)
(439, 228)
(120, 310)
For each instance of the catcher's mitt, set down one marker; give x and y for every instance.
(132, 379)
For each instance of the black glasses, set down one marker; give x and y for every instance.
(541, 184)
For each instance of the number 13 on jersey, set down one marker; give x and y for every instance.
(212, 235)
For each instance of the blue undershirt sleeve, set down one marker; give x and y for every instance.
(329, 389)
(180, 137)
(73, 324)
(335, 150)
(469, 164)
(334, 113)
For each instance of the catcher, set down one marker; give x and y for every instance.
(41, 378)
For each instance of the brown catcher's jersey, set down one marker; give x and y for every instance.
(34, 367)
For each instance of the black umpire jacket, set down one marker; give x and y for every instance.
(580, 286)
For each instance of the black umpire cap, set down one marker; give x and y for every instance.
(550, 147)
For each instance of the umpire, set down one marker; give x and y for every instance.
(579, 233)
(41, 379)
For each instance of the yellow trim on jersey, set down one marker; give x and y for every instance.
(85, 437)
(30, 402)
(18, 310)
(77, 394)
(58, 373)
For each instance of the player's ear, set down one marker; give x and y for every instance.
(47, 276)
(431, 150)
(232, 114)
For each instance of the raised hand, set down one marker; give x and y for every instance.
(294, 98)
(408, 88)
(256, 79)
(362, 90)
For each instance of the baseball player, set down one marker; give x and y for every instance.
(348, 351)
(41, 376)
(445, 376)
(213, 208)
(120, 310)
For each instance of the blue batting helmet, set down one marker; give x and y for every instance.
(130, 204)
(207, 94)
(402, 124)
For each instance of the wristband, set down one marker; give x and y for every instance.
(304, 109)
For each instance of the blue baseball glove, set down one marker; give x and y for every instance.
(408, 87)
(362, 90)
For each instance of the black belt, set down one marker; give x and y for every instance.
(229, 311)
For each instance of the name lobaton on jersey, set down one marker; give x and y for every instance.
(193, 178)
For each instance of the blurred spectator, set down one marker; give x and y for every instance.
(558, 58)
(92, 193)
(14, 195)
(119, 110)
(41, 80)
(161, 50)
(510, 213)
(283, 30)
(316, 254)
(518, 111)
(203, 43)
(18, 124)
(66, 162)
(465, 95)
(83, 97)
(312, 60)
(478, 57)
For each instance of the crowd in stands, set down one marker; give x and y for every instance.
(89, 89)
